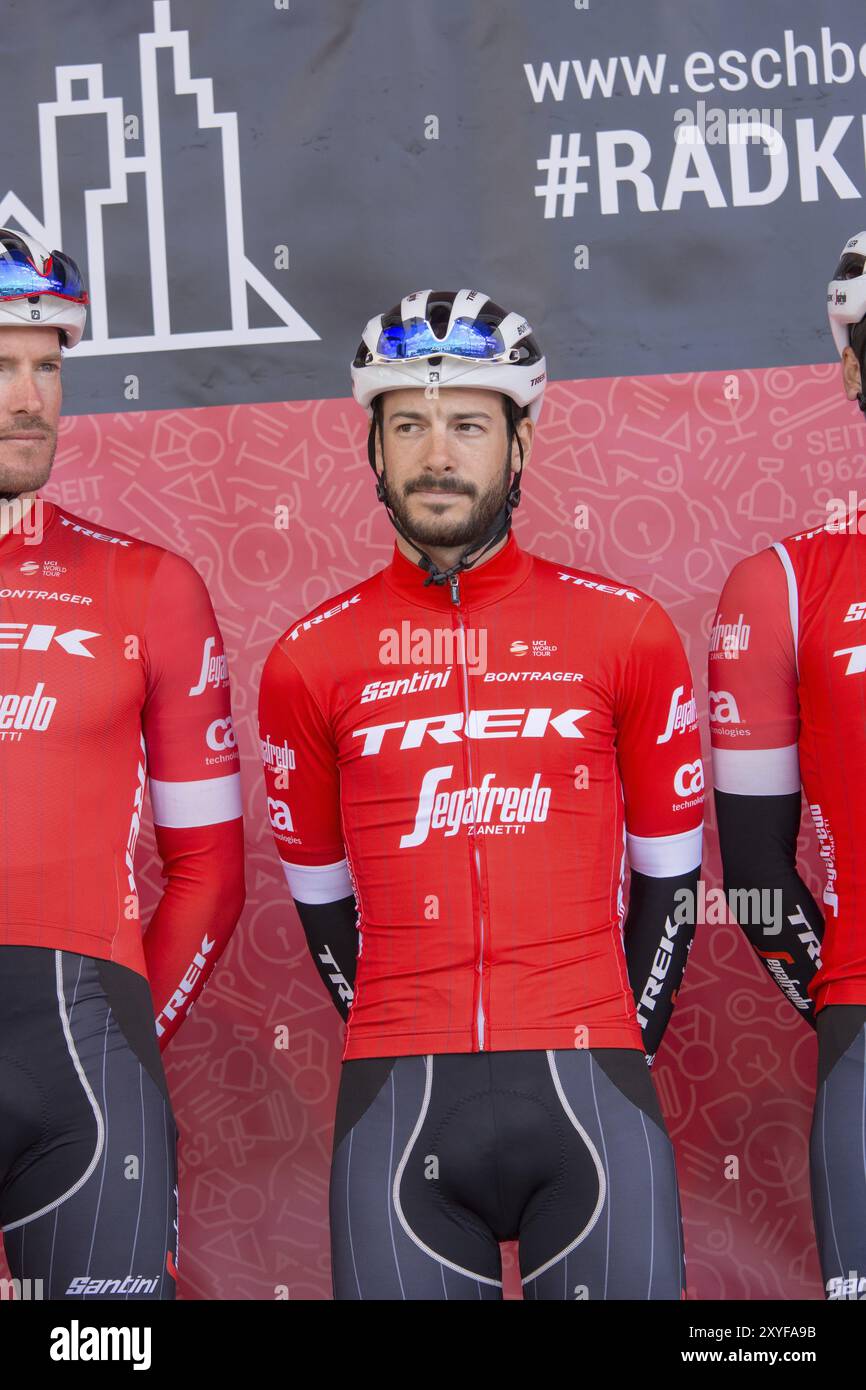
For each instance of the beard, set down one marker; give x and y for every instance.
(442, 531)
(30, 475)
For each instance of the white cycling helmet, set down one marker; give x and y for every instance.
(40, 287)
(846, 292)
(449, 338)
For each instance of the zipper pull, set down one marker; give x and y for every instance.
(454, 583)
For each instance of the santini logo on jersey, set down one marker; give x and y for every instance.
(214, 669)
(38, 637)
(486, 809)
(682, 715)
(478, 723)
(405, 685)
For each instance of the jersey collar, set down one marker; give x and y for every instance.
(484, 584)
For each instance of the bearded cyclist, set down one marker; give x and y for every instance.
(112, 676)
(460, 751)
(788, 679)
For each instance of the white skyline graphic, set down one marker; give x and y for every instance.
(49, 229)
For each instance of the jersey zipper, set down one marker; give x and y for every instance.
(474, 853)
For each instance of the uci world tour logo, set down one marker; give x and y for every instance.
(123, 167)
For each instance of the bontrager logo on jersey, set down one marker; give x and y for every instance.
(305, 626)
(482, 810)
(46, 595)
(522, 677)
(478, 723)
(221, 735)
(38, 637)
(214, 669)
(730, 638)
(26, 713)
(602, 588)
(682, 715)
(723, 708)
(94, 535)
(689, 779)
(279, 757)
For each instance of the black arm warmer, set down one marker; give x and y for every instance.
(758, 840)
(332, 935)
(659, 929)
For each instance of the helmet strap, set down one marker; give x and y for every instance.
(473, 553)
(860, 354)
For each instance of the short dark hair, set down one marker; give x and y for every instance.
(858, 339)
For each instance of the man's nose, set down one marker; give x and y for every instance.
(436, 454)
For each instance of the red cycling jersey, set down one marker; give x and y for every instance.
(112, 670)
(469, 770)
(788, 704)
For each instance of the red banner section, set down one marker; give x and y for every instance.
(660, 482)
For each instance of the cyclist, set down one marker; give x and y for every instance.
(458, 752)
(112, 673)
(787, 680)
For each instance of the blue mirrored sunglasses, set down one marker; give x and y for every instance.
(20, 278)
(468, 338)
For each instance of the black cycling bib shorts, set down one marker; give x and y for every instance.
(437, 1159)
(88, 1174)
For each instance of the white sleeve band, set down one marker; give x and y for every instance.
(210, 801)
(793, 600)
(757, 771)
(319, 883)
(665, 856)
